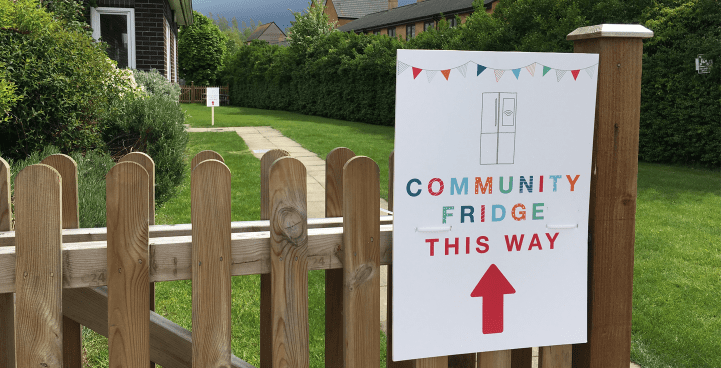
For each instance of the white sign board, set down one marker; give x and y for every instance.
(491, 191)
(213, 96)
(703, 66)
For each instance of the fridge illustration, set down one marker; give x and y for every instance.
(498, 128)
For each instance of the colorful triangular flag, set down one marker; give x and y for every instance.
(416, 71)
(480, 69)
(575, 73)
(401, 67)
(560, 74)
(531, 69)
(545, 70)
(516, 72)
(430, 74)
(499, 73)
(462, 69)
(591, 70)
(446, 73)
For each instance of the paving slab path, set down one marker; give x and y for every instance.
(264, 138)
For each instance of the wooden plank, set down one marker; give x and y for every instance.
(85, 264)
(334, 163)
(170, 344)
(289, 263)
(555, 356)
(437, 362)
(127, 255)
(613, 201)
(204, 155)
(38, 321)
(494, 359)
(7, 238)
(7, 300)
(361, 263)
(210, 213)
(462, 361)
(266, 322)
(68, 169)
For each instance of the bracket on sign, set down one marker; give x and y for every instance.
(572, 226)
(433, 229)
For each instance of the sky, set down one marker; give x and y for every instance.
(265, 11)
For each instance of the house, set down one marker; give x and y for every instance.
(345, 11)
(142, 34)
(270, 33)
(409, 20)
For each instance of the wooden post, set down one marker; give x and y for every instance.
(7, 300)
(266, 321)
(361, 263)
(289, 263)
(612, 210)
(127, 252)
(68, 169)
(522, 358)
(205, 155)
(192, 92)
(554, 356)
(334, 163)
(210, 213)
(39, 270)
(495, 359)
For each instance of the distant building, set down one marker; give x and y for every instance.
(270, 33)
(346, 11)
(409, 20)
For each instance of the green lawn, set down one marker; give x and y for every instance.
(316, 134)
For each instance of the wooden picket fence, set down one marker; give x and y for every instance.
(62, 276)
(193, 93)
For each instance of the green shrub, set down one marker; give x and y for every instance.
(154, 125)
(155, 83)
(92, 168)
(64, 78)
(201, 47)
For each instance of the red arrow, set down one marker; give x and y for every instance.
(492, 287)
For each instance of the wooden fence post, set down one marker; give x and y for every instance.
(558, 356)
(266, 320)
(289, 263)
(361, 263)
(204, 155)
(334, 162)
(127, 252)
(39, 270)
(612, 210)
(68, 169)
(210, 212)
(7, 300)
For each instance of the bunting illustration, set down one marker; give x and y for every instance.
(462, 69)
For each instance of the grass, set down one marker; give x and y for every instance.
(316, 134)
(677, 268)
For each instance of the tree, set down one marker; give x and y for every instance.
(201, 47)
(310, 25)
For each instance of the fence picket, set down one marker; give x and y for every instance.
(334, 163)
(7, 302)
(210, 213)
(495, 359)
(522, 358)
(205, 155)
(127, 254)
(437, 362)
(289, 263)
(38, 285)
(361, 263)
(266, 321)
(558, 356)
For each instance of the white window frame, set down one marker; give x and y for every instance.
(175, 59)
(167, 49)
(129, 16)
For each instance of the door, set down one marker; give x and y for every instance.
(489, 128)
(507, 128)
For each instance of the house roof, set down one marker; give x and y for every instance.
(258, 31)
(183, 11)
(411, 12)
(358, 8)
(271, 31)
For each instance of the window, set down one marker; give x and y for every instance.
(116, 27)
(428, 25)
(168, 61)
(391, 31)
(410, 31)
(377, 32)
(451, 21)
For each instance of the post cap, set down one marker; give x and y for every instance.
(610, 30)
